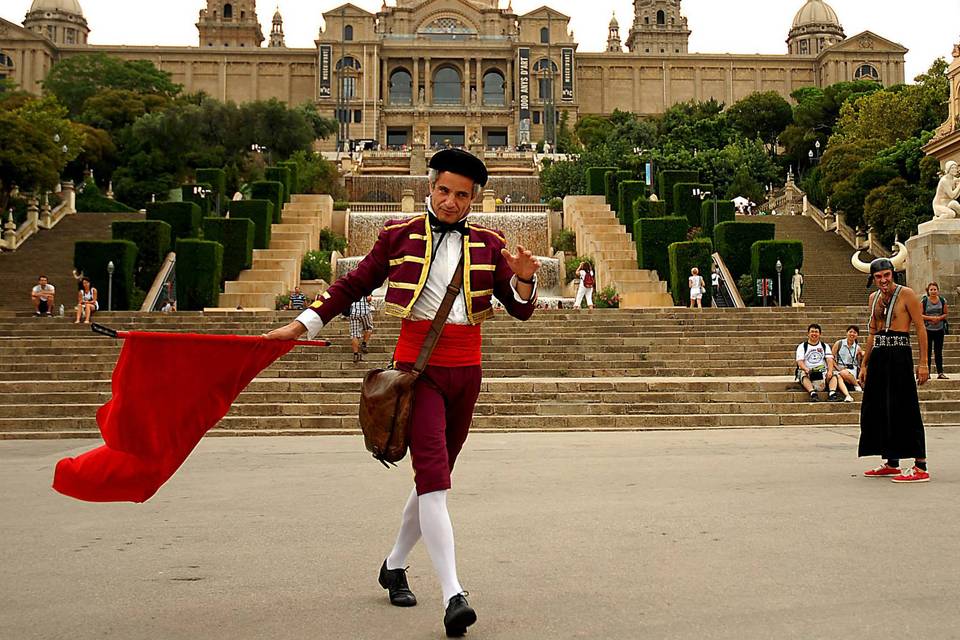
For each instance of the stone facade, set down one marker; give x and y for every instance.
(469, 72)
(946, 142)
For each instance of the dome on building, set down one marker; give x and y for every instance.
(613, 20)
(66, 6)
(815, 12)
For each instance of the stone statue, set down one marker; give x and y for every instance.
(796, 284)
(421, 96)
(473, 95)
(418, 138)
(945, 205)
(474, 137)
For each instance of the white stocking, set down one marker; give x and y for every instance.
(438, 536)
(408, 535)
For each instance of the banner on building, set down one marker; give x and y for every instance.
(326, 59)
(566, 74)
(523, 77)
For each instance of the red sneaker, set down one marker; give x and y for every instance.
(915, 474)
(882, 471)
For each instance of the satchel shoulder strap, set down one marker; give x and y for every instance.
(453, 290)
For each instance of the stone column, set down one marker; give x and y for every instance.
(33, 213)
(466, 81)
(69, 195)
(385, 80)
(407, 201)
(415, 90)
(46, 213)
(428, 83)
(10, 233)
(489, 201)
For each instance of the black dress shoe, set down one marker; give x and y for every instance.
(459, 616)
(395, 582)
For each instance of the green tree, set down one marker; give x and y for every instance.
(764, 115)
(322, 127)
(896, 209)
(885, 116)
(593, 130)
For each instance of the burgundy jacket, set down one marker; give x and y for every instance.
(402, 255)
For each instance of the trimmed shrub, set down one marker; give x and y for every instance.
(565, 241)
(341, 205)
(281, 175)
(205, 202)
(610, 180)
(685, 203)
(258, 211)
(91, 258)
(152, 238)
(653, 236)
(217, 179)
(629, 191)
(236, 236)
(667, 179)
(726, 212)
(183, 217)
(89, 200)
(555, 204)
(329, 241)
(315, 264)
(646, 208)
(683, 257)
(294, 175)
(734, 239)
(272, 191)
(595, 180)
(763, 263)
(198, 269)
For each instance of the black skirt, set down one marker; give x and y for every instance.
(890, 422)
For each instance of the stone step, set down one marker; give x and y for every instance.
(269, 287)
(249, 300)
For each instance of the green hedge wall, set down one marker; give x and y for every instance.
(261, 213)
(199, 267)
(629, 191)
(595, 180)
(734, 239)
(726, 212)
(684, 203)
(205, 203)
(217, 179)
(152, 238)
(294, 175)
(91, 257)
(653, 236)
(646, 208)
(269, 190)
(610, 180)
(667, 179)
(183, 217)
(683, 257)
(236, 236)
(281, 175)
(763, 261)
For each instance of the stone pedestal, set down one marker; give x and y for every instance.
(935, 257)
(418, 160)
(489, 201)
(406, 201)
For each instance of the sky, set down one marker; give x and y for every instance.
(929, 29)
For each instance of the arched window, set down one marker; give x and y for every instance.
(401, 87)
(661, 17)
(544, 35)
(348, 62)
(867, 72)
(546, 71)
(6, 66)
(646, 19)
(348, 32)
(228, 12)
(447, 86)
(493, 89)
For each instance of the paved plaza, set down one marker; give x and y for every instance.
(686, 534)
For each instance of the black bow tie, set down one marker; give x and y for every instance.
(439, 226)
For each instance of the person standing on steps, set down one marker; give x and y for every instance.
(421, 257)
(697, 286)
(891, 425)
(361, 326)
(587, 284)
(935, 320)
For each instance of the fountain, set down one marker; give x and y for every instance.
(388, 188)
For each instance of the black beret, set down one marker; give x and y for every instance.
(461, 163)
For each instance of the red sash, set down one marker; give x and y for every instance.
(458, 346)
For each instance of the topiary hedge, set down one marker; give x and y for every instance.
(217, 179)
(198, 271)
(683, 257)
(685, 203)
(294, 175)
(152, 238)
(195, 193)
(646, 208)
(91, 258)
(269, 190)
(726, 211)
(763, 263)
(595, 180)
(316, 265)
(734, 240)
(629, 191)
(653, 236)
(258, 211)
(667, 179)
(236, 236)
(281, 175)
(183, 217)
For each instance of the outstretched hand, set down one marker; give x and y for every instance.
(290, 331)
(524, 263)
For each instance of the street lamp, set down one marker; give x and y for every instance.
(110, 269)
(703, 196)
(779, 270)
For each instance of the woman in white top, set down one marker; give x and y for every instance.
(86, 301)
(848, 356)
(696, 284)
(587, 283)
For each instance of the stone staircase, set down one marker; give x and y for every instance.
(276, 270)
(828, 276)
(601, 236)
(50, 252)
(601, 370)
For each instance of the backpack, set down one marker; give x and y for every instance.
(589, 281)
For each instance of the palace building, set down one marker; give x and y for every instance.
(462, 71)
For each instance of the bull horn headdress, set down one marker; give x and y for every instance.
(897, 262)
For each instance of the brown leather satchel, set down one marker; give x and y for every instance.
(386, 395)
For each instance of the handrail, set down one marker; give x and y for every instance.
(726, 281)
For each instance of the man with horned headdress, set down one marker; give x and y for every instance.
(890, 421)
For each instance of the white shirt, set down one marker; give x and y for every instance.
(816, 356)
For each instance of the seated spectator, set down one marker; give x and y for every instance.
(87, 303)
(848, 356)
(169, 306)
(298, 301)
(43, 295)
(815, 367)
